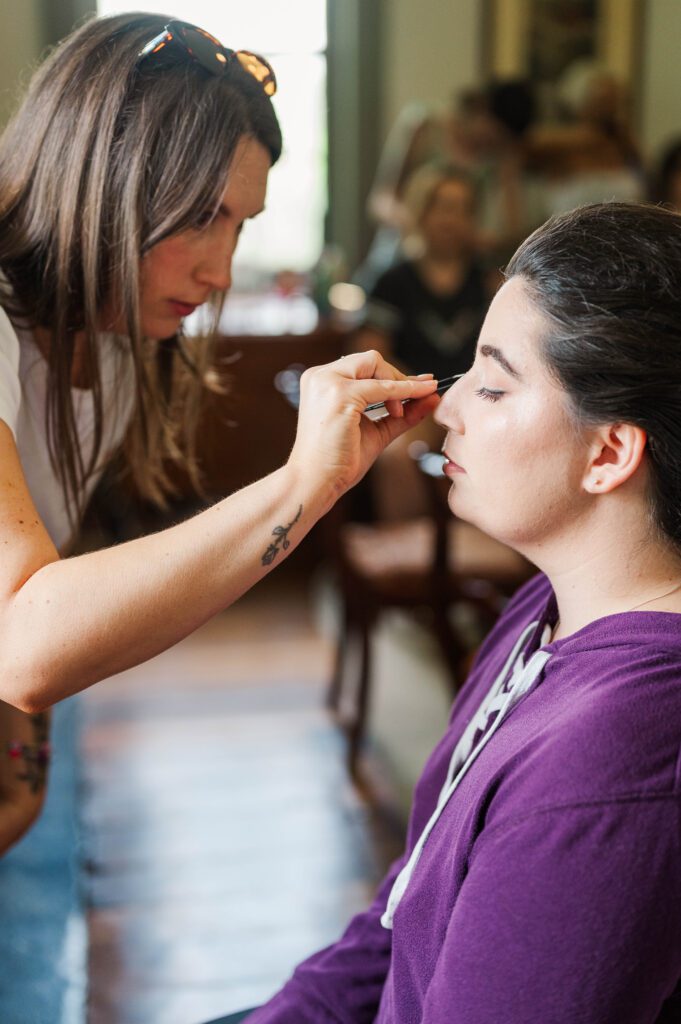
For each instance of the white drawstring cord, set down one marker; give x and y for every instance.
(463, 756)
(479, 719)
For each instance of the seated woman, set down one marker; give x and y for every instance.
(541, 881)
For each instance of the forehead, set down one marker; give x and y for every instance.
(516, 325)
(247, 180)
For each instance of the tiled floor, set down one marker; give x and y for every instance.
(224, 839)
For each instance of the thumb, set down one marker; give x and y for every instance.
(414, 412)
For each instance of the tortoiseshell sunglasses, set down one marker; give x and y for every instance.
(210, 53)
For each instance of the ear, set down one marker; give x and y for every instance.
(615, 454)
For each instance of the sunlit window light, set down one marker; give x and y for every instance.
(292, 36)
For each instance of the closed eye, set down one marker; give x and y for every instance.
(204, 220)
(489, 394)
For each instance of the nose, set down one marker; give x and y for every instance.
(447, 413)
(214, 270)
(216, 274)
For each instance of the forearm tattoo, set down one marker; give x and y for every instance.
(282, 542)
(33, 758)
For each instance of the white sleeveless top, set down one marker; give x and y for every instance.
(23, 393)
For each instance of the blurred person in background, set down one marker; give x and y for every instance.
(427, 310)
(591, 156)
(483, 133)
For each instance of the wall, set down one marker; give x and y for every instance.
(21, 42)
(28, 27)
(661, 74)
(431, 50)
(426, 51)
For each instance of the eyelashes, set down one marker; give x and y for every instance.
(204, 220)
(489, 395)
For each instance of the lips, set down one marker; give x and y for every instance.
(182, 308)
(450, 467)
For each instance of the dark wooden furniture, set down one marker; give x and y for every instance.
(249, 431)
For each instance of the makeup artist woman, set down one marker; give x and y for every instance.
(125, 178)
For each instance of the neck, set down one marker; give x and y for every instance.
(610, 565)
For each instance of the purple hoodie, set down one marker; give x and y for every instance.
(549, 889)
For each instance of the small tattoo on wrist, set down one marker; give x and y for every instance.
(282, 542)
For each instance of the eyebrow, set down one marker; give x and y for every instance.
(226, 212)
(499, 357)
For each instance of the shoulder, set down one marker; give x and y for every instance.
(602, 726)
(632, 687)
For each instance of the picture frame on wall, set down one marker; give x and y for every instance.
(546, 40)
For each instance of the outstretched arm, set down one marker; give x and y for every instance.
(67, 623)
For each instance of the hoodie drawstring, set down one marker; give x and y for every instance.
(499, 701)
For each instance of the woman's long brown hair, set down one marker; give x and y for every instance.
(107, 156)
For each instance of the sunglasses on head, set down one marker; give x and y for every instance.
(210, 53)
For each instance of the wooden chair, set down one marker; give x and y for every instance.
(429, 566)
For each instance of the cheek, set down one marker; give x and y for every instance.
(512, 447)
(530, 452)
(527, 481)
(166, 261)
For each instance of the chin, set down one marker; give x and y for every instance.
(161, 330)
(456, 506)
(466, 514)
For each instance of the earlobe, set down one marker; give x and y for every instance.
(617, 454)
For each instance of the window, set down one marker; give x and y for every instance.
(293, 37)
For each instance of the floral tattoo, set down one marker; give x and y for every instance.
(35, 756)
(282, 542)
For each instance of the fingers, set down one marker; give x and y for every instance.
(393, 391)
(369, 363)
(364, 379)
(351, 381)
(394, 408)
(418, 410)
(392, 427)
